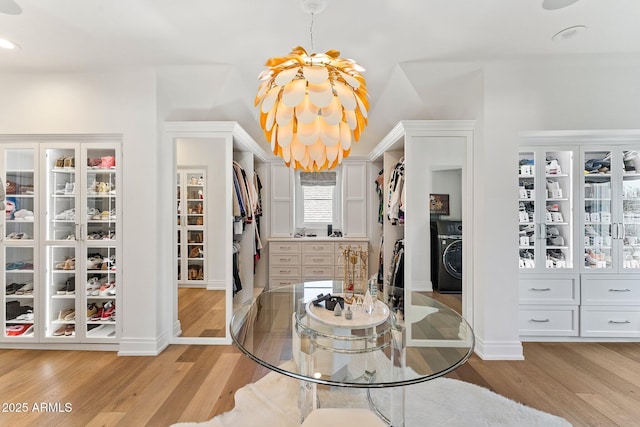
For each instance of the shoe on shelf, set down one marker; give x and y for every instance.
(69, 330)
(107, 310)
(17, 330)
(11, 288)
(28, 316)
(92, 309)
(62, 315)
(26, 289)
(60, 331)
(106, 289)
(93, 285)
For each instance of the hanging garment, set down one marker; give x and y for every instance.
(380, 191)
(395, 203)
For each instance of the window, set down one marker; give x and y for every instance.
(318, 199)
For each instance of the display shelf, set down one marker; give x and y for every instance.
(191, 212)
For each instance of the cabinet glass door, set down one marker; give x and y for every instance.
(631, 210)
(558, 213)
(598, 213)
(101, 183)
(527, 221)
(18, 237)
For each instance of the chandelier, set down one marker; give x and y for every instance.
(312, 107)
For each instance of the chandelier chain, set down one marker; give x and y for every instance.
(311, 32)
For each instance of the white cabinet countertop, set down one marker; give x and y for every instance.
(318, 239)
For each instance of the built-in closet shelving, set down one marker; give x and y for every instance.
(192, 225)
(60, 241)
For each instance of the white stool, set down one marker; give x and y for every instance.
(342, 417)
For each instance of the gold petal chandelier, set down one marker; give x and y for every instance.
(312, 107)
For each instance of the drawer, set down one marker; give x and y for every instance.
(278, 282)
(284, 259)
(284, 271)
(317, 248)
(604, 291)
(314, 259)
(548, 320)
(550, 291)
(284, 247)
(317, 272)
(610, 321)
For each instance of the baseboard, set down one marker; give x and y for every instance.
(216, 285)
(499, 350)
(143, 347)
(422, 286)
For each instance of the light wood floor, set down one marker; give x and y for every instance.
(589, 384)
(201, 312)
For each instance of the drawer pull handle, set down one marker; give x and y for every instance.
(619, 290)
(285, 259)
(540, 289)
(318, 272)
(317, 248)
(318, 260)
(285, 247)
(285, 271)
(621, 322)
(541, 320)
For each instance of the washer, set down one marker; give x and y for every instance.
(446, 256)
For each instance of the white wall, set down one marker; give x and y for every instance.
(93, 103)
(449, 182)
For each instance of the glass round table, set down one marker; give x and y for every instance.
(295, 330)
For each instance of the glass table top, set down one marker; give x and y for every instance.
(283, 331)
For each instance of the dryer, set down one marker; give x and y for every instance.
(446, 256)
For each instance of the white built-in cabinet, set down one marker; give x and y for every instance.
(295, 260)
(61, 238)
(579, 234)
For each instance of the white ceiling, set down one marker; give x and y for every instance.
(382, 35)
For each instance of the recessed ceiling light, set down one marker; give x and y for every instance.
(557, 4)
(6, 44)
(568, 33)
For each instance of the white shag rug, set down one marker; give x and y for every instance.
(273, 402)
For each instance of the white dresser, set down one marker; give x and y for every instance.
(294, 260)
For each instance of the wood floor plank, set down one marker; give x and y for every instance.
(107, 419)
(200, 406)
